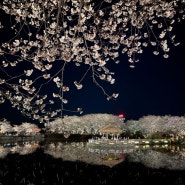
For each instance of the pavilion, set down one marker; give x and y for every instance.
(110, 130)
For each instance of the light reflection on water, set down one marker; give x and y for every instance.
(58, 163)
(156, 156)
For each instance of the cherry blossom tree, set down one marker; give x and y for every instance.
(5, 127)
(174, 125)
(26, 129)
(150, 124)
(42, 40)
(89, 123)
(132, 126)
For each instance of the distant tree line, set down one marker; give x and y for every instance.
(87, 124)
(156, 127)
(23, 129)
(146, 127)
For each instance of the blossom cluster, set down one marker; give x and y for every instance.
(46, 36)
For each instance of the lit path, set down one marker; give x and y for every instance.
(128, 141)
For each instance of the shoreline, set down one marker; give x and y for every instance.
(89, 140)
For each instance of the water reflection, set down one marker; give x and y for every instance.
(21, 148)
(57, 163)
(156, 156)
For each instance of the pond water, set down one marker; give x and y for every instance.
(55, 163)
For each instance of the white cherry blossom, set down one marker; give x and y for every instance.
(45, 39)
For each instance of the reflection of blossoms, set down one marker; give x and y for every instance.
(156, 159)
(152, 157)
(26, 148)
(93, 155)
(23, 149)
(72, 152)
(46, 36)
(3, 152)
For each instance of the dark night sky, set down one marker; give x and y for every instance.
(156, 86)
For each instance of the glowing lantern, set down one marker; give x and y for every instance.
(121, 116)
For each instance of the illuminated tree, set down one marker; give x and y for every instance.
(132, 126)
(151, 124)
(5, 127)
(43, 40)
(26, 129)
(89, 123)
